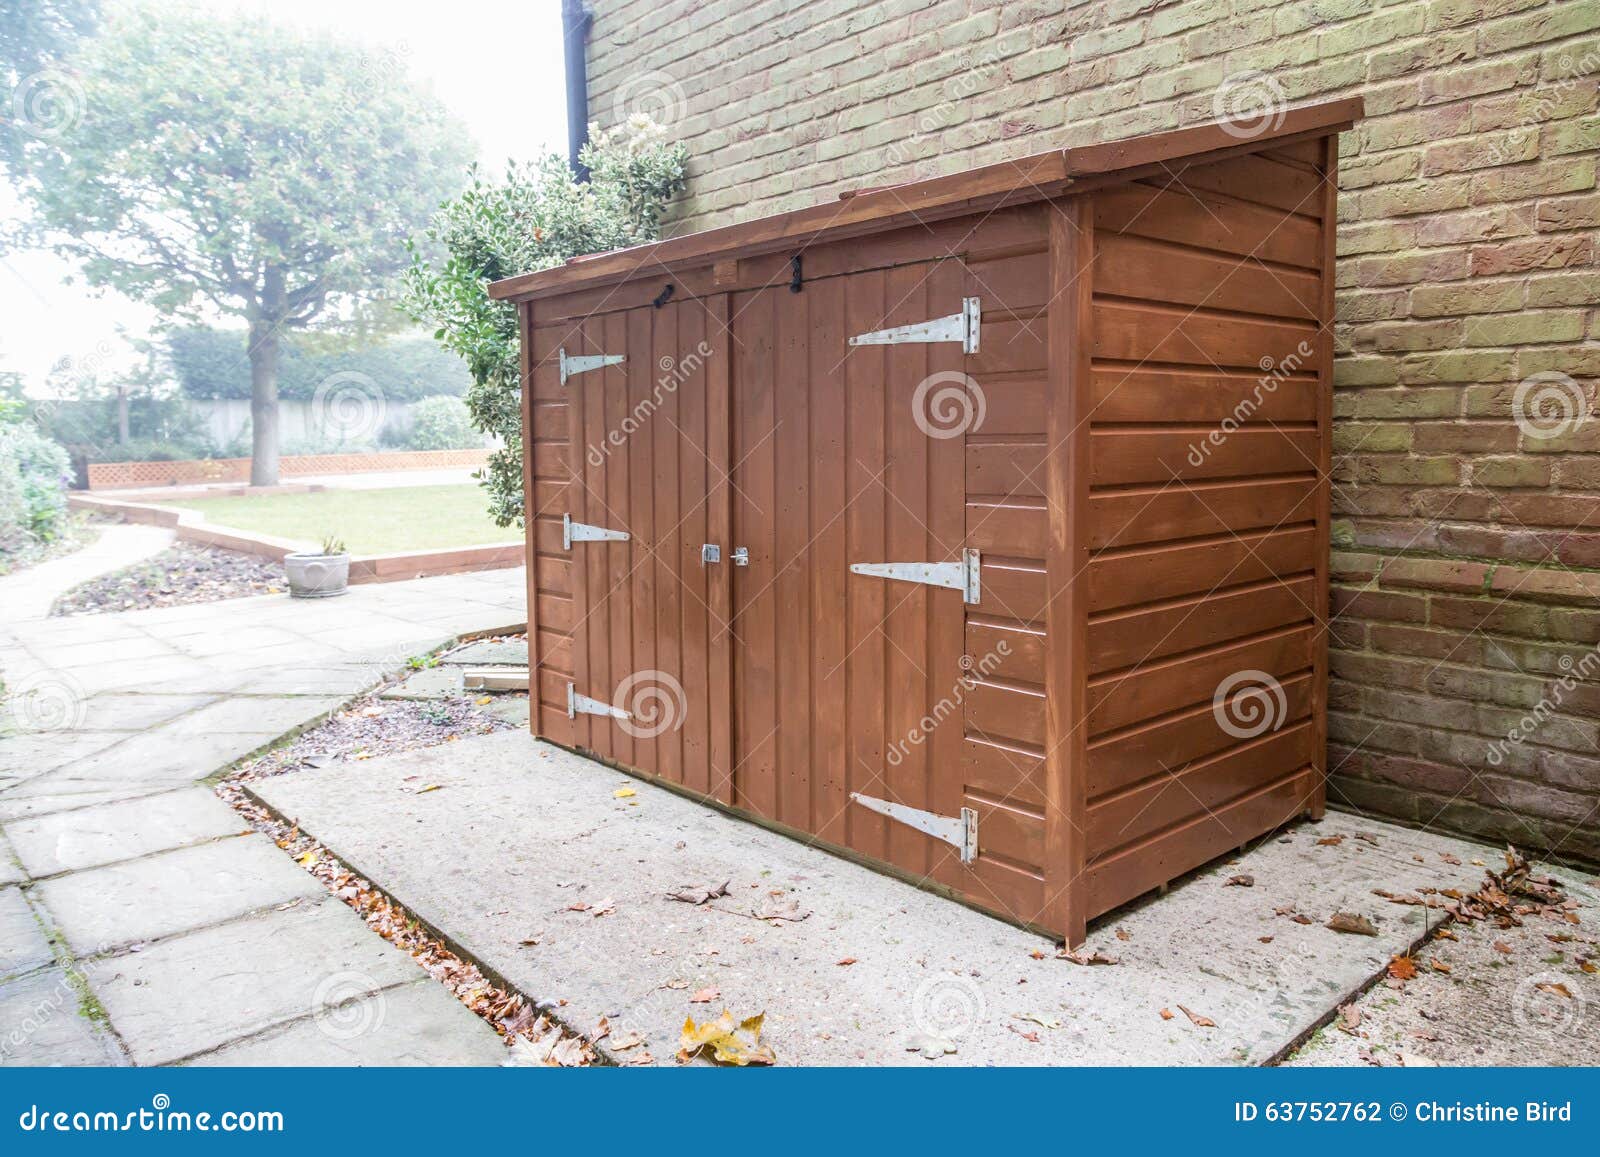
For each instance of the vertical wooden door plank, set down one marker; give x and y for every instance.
(617, 555)
(791, 535)
(829, 561)
(1318, 789)
(662, 396)
(719, 524)
(697, 618)
(1066, 562)
(643, 676)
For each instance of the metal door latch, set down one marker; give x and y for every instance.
(962, 327)
(583, 363)
(961, 832)
(964, 576)
(572, 532)
(741, 556)
(710, 552)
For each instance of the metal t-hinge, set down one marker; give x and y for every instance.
(583, 363)
(959, 831)
(583, 705)
(572, 532)
(963, 576)
(962, 327)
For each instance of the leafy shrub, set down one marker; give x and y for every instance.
(537, 218)
(442, 424)
(34, 472)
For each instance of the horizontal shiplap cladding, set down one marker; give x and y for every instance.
(551, 566)
(1202, 510)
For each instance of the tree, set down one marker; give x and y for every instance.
(536, 218)
(34, 36)
(237, 166)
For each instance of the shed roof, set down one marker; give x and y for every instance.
(1038, 177)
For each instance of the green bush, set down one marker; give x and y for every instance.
(34, 473)
(442, 423)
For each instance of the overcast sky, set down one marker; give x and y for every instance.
(496, 64)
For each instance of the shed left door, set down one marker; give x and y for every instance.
(648, 447)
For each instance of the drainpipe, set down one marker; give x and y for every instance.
(575, 21)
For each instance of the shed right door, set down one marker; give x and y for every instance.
(836, 674)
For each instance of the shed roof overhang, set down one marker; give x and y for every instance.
(1038, 177)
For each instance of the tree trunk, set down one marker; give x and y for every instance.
(122, 416)
(263, 403)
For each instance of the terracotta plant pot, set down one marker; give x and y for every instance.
(314, 575)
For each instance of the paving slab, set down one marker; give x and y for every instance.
(195, 992)
(534, 829)
(411, 1025)
(488, 653)
(1512, 996)
(31, 753)
(69, 796)
(429, 683)
(10, 868)
(252, 715)
(172, 892)
(132, 711)
(23, 946)
(40, 1024)
(89, 837)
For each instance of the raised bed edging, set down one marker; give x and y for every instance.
(123, 475)
(364, 568)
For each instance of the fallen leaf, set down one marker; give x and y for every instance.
(624, 793)
(309, 860)
(1025, 1034)
(931, 1047)
(1242, 880)
(485, 701)
(1041, 1021)
(1037, 954)
(729, 1042)
(1082, 957)
(690, 894)
(430, 787)
(1266, 939)
(1555, 987)
(625, 1042)
(1415, 1061)
(1330, 841)
(776, 909)
(1439, 966)
(1402, 968)
(705, 996)
(1124, 934)
(1352, 922)
(1200, 1021)
(1450, 859)
(1502, 947)
(1349, 1019)
(1166, 1014)
(529, 942)
(1367, 837)
(846, 962)
(676, 984)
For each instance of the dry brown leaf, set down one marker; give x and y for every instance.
(846, 962)
(1083, 957)
(1330, 841)
(705, 995)
(1402, 968)
(1439, 966)
(1352, 922)
(1166, 1014)
(729, 1042)
(1266, 939)
(1242, 880)
(1450, 859)
(1349, 1019)
(1199, 1021)
(1124, 934)
(694, 894)
(1502, 947)
(1555, 987)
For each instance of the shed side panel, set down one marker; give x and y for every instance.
(1204, 520)
(545, 445)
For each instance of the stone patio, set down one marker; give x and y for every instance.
(141, 922)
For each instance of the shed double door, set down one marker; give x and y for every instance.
(801, 682)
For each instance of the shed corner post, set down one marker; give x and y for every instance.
(1318, 796)
(530, 521)
(1068, 403)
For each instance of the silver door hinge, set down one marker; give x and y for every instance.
(959, 831)
(572, 532)
(583, 705)
(962, 327)
(583, 363)
(963, 576)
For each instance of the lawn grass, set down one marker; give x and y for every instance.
(369, 521)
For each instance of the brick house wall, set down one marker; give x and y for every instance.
(1466, 675)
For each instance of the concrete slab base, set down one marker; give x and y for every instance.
(429, 683)
(92, 836)
(43, 1022)
(534, 831)
(22, 943)
(489, 653)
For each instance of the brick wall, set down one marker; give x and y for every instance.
(1467, 462)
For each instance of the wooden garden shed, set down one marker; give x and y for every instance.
(976, 528)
